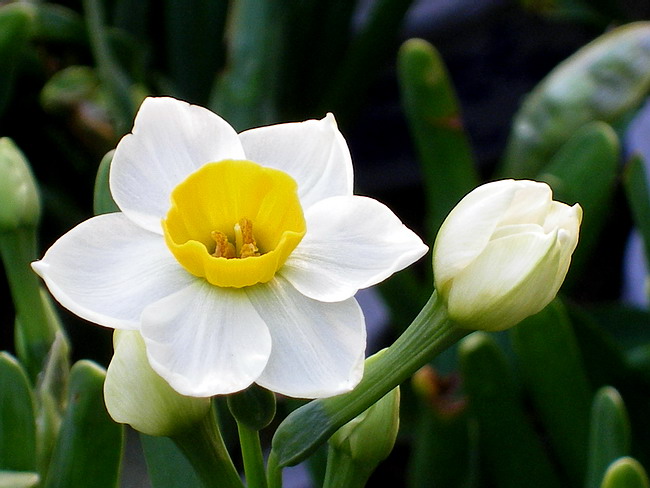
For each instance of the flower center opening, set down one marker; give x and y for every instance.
(234, 223)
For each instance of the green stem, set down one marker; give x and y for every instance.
(306, 428)
(273, 471)
(251, 450)
(344, 472)
(34, 334)
(204, 448)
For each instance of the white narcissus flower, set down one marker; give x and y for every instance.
(236, 256)
(503, 252)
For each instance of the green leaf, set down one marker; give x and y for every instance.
(15, 21)
(591, 154)
(604, 80)
(433, 114)
(194, 26)
(122, 94)
(18, 479)
(167, 465)
(17, 423)
(551, 365)
(368, 51)
(609, 437)
(512, 452)
(89, 449)
(625, 472)
(635, 182)
(246, 92)
(441, 447)
(103, 200)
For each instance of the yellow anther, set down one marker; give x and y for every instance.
(223, 249)
(244, 240)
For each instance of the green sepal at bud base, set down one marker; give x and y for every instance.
(254, 407)
(19, 200)
(136, 395)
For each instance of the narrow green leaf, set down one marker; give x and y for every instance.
(167, 465)
(306, 67)
(625, 472)
(441, 448)
(638, 196)
(18, 479)
(15, 23)
(103, 200)
(117, 84)
(609, 437)
(57, 23)
(194, 26)
(591, 154)
(512, 452)
(372, 46)
(434, 117)
(602, 81)
(246, 92)
(17, 423)
(89, 449)
(551, 365)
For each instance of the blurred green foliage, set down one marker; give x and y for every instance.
(561, 400)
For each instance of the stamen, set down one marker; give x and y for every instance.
(224, 249)
(244, 240)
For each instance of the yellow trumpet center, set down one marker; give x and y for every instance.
(234, 223)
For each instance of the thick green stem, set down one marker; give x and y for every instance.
(35, 334)
(251, 450)
(306, 428)
(204, 448)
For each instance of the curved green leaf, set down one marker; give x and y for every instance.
(433, 114)
(17, 423)
(602, 81)
(509, 445)
(610, 433)
(89, 449)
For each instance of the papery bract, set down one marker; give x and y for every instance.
(235, 256)
(503, 252)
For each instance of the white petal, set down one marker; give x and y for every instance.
(107, 270)
(318, 348)
(205, 340)
(170, 140)
(351, 243)
(512, 279)
(468, 228)
(313, 152)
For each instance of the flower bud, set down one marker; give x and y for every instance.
(369, 438)
(136, 395)
(503, 252)
(19, 200)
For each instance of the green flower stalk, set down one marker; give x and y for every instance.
(500, 256)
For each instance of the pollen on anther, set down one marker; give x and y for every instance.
(244, 239)
(223, 248)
